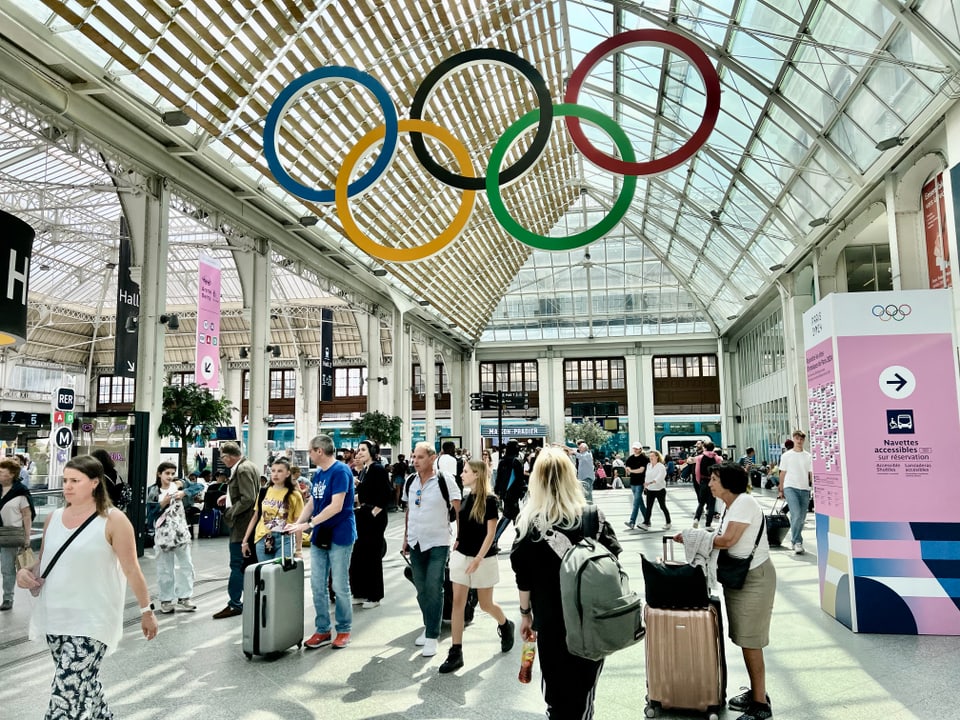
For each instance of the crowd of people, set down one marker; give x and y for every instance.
(455, 510)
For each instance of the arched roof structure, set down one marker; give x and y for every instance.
(808, 91)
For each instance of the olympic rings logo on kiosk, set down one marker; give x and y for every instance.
(466, 179)
(891, 312)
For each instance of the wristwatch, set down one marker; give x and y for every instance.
(526, 611)
(149, 608)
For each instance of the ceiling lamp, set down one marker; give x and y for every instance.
(309, 220)
(817, 222)
(777, 267)
(751, 296)
(423, 303)
(732, 317)
(379, 272)
(175, 118)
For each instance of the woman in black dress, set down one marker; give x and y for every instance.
(374, 494)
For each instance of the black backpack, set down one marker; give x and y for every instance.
(451, 511)
(458, 477)
(706, 462)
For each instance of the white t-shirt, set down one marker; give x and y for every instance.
(798, 466)
(12, 512)
(747, 510)
(447, 464)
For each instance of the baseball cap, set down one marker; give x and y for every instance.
(637, 446)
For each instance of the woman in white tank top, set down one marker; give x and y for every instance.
(81, 620)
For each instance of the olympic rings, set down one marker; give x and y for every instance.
(419, 252)
(667, 40)
(467, 179)
(471, 57)
(585, 237)
(891, 312)
(291, 93)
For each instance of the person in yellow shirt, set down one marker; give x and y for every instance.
(279, 504)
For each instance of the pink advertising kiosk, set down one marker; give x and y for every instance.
(884, 435)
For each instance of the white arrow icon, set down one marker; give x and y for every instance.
(131, 366)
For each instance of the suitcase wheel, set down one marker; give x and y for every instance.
(712, 716)
(650, 711)
(249, 656)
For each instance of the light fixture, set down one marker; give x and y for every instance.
(131, 324)
(817, 222)
(379, 272)
(732, 317)
(175, 118)
(172, 321)
(715, 214)
(52, 133)
(273, 350)
(244, 353)
(890, 143)
(423, 303)
(453, 325)
(751, 296)
(776, 268)
(382, 380)
(309, 220)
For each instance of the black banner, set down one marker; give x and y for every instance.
(326, 355)
(14, 278)
(128, 312)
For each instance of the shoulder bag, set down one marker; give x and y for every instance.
(732, 571)
(67, 544)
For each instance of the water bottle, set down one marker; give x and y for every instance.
(527, 654)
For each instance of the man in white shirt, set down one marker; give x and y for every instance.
(796, 479)
(447, 460)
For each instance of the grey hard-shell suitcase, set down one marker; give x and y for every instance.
(273, 606)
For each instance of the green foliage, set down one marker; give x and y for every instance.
(191, 412)
(589, 431)
(381, 428)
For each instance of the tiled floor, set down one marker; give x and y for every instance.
(195, 669)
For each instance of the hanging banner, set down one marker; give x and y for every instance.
(128, 311)
(326, 355)
(208, 323)
(935, 233)
(14, 278)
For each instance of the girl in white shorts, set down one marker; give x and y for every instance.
(473, 562)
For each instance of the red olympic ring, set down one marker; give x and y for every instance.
(660, 38)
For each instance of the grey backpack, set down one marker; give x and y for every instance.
(600, 612)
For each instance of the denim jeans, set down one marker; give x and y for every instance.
(798, 501)
(334, 563)
(638, 507)
(428, 567)
(278, 538)
(235, 583)
(588, 489)
(175, 573)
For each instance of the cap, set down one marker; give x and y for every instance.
(637, 446)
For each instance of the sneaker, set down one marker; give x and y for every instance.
(667, 526)
(645, 527)
(742, 701)
(696, 524)
(453, 662)
(370, 604)
(185, 604)
(317, 640)
(506, 632)
(166, 608)
(341, 641)
(429, 647)
(421, 639)
(757, 711)
(228, 612)
(798, 549)
(358, 601)
(6, 605)
(629, 525)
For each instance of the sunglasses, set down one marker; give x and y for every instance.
(417, 501)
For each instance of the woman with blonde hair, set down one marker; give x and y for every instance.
(473, 562)
(547, 525)
(655, 486)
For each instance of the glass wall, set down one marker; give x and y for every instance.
(761, 350)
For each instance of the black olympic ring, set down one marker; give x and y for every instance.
(468, 57)
(891, 312)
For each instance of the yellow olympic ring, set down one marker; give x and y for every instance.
(393, 254)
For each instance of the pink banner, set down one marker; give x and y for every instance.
(208, 324)
(825, 429)
(935, 233)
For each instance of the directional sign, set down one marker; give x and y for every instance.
(63, 399)
(63, 438)
(58, 418)
(206, 367)
(897, 382)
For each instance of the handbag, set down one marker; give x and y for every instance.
(732, 571)
(25, 559)
(11, 536)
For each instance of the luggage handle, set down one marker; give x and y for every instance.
(668, 544)
(778, 501)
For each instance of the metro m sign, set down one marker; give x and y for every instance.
(63, 399)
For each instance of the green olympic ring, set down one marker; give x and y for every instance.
(585, 237)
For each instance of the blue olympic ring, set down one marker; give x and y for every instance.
(891, 312)
(291, 93)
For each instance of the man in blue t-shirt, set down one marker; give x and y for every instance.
(328, 514)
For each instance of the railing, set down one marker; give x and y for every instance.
(45, 502)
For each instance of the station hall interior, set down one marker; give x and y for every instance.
(136, 135)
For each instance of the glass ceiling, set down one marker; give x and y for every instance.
(808, 89)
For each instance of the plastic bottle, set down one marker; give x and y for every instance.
(527, 654)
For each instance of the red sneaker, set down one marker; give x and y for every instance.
(317, 640)
(341, 641)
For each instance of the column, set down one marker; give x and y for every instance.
(634, 380)
(254, 270)
(306, 425)
(428, 372)
(646, 431)
(402, 387)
